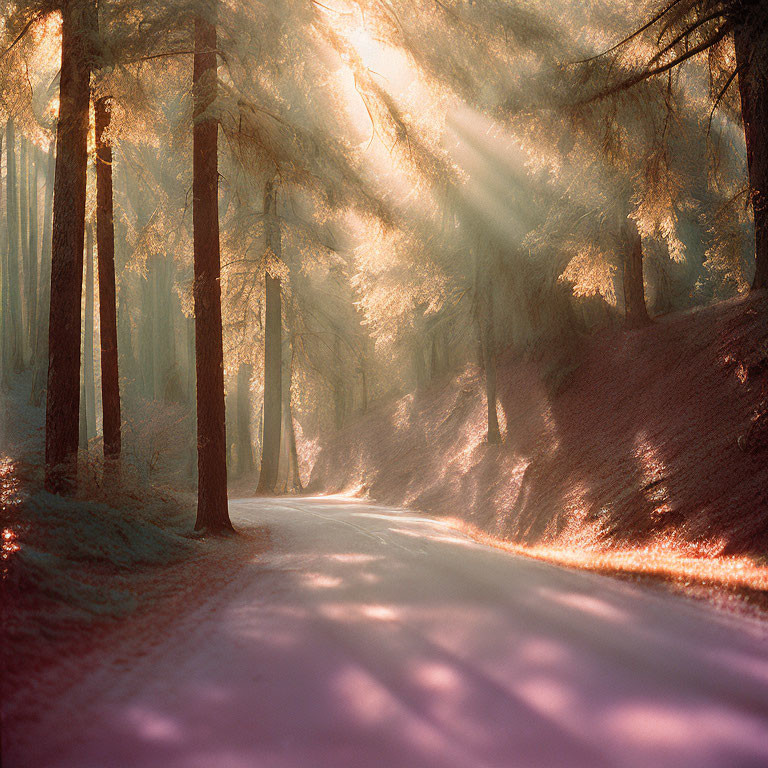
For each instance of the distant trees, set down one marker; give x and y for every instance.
(419, 229)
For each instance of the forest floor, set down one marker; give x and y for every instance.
(648, 457)
(371, 636)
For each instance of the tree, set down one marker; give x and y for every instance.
(29, 236)
(688, 28)
(212, 510)
(44, 291)
(486, 321)
(751, 42)
(105, 245)
(273, 321)
(13, 328)
(4, 315)
(635, 310)
(88, 395)
(63, 399)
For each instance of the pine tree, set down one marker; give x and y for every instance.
(273, 366)
(212, 511)
(63, 399)
(105, 246)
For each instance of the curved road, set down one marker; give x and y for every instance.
(374, 638)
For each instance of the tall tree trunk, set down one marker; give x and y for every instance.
(63, 400)
(485, 319)
(33, 317)
(3, 286)
(244, 442)
(89, 380)
(4, 336)
(273, 412)
(44, 290)
(212, 510)
(14, 328)
(105, 246)
(635, 311)
(753, 87)
(26, 268)
(489, 365)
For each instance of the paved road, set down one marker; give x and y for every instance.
(374, 638)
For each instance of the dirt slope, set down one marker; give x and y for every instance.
(641, 448)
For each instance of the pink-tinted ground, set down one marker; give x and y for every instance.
(640, 450)
(369, 637)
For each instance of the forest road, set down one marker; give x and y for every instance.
(370, 637)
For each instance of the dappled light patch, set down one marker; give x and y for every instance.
(379, 612)
(547, 695)
(699, 728)
(154, 726)
(585, 603)
(322, 580)
(364, 698)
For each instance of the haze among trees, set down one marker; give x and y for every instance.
(503, 262)
(300, 209)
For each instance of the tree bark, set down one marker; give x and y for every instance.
(635, 311)
(62, 403)
(33, 317)
(753, 89)
(14, 329)
(89, 379)
(212, 510)
(273, 416)
(23, 193)
(105, 246)
(3, 288)
(489, 365)
(44, 291)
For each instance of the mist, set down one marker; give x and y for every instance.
(498, 263)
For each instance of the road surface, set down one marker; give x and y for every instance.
(375, 638)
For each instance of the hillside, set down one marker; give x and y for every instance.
(653, 443)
